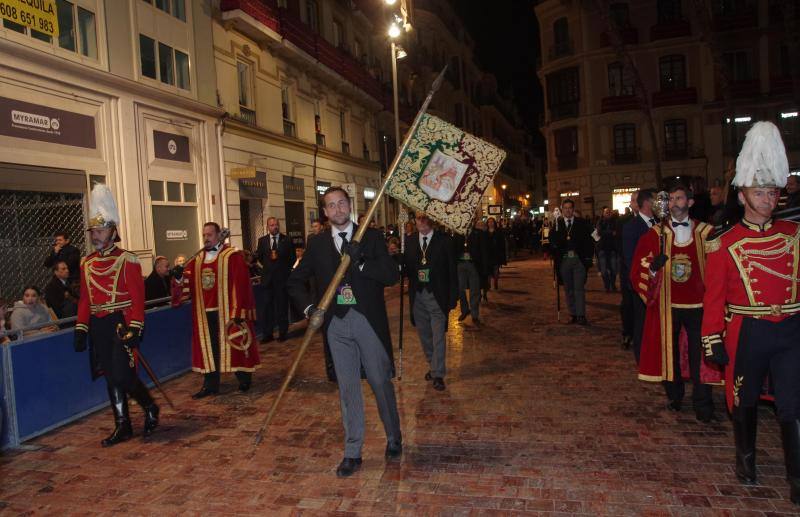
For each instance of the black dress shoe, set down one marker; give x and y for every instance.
(204, 392)
(582, 320)
(674, 405)
(347, 467)
(266, 339)
(244, 387)
(573, 319)
(463, 316)
(428, 376)
(476, 322)
(438, 384)
(393, 450)
(281, 338)
(705, 416)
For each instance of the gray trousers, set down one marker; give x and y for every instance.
(431, 325)
(573, 274)
(353, 343)
(468, 278)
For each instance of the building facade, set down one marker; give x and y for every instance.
(301, 106)
(598, 136)
(123, 94)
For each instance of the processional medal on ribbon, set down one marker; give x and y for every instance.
(438, 169)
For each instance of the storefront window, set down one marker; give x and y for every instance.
(182, 69)
(165, 67)
(189, 193)
(66, 25)
(87, 32)
(147, 51)
(173, 191)
(156, 190)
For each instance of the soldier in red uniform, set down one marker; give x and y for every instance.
(111, 313)
(223, 311)
(667, 273)
(752, 315)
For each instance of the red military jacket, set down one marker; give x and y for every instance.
(751, 272)
(111, 280)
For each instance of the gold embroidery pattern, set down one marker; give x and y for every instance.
(681, 268)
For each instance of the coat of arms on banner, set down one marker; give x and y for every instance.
(444, 172)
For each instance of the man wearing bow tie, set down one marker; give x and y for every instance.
(667, 273)
(276, 254)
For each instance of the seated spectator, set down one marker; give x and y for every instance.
(31, 311)
(59, 294)
(156, 285)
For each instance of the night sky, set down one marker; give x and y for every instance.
(506, 35)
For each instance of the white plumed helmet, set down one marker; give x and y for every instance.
(762, 161)
(103, 211)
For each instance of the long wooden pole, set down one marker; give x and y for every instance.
(318, 317)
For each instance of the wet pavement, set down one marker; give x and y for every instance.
(538, 417)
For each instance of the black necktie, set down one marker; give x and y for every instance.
(274, 242)
(675, 224)
(569, 225)
(424, 244)
(343, 235)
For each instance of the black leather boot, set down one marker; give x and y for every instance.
(790, 432)
(745, 423)
(142, 396)
(122, 429)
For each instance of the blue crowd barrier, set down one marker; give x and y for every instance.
(46, 384)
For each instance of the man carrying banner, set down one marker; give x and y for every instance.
(751, 321)
(111, 313)
(432, 292)
(667, 274)
(223, 311)
(356, 326)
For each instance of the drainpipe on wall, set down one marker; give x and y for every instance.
(221, 153)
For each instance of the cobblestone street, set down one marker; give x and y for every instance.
(538, 417)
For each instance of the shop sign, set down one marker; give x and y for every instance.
(39, 15)
(495, 210)
(242, 172)
(369, 193)
(293, 188)
(253, 188)
(169, 146)
(34, 122)
(177, 235)
(322, 186)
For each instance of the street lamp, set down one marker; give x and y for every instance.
(503, 202)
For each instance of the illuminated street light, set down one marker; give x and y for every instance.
(503, 186)
(394, 31)
(390, 2)
(401, 52)
(527, 196)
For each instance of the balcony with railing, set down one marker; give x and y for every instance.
(745, 89)
(625, 156)
(561, 49)
(619, 103)
(246, 115)
(671, 29)
(629, 36)
(675, 97)
(742, 18)
(265, 22)
(289, 128)
(682, 152)
(567, 162)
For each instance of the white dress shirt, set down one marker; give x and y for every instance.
(429, 235)
(211, 255)
(683, 234)
(647, 219)
(337, 240)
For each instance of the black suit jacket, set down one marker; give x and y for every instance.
(478, 248)
(156, 287)
(443, 275)
(631, 233)
(55, 295)
(580, 241)
(69, 254)
(275, 273)
(320, 261)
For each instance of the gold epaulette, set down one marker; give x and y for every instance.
(131, 257)
(714, 240)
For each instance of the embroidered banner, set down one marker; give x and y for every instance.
(444, 172)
